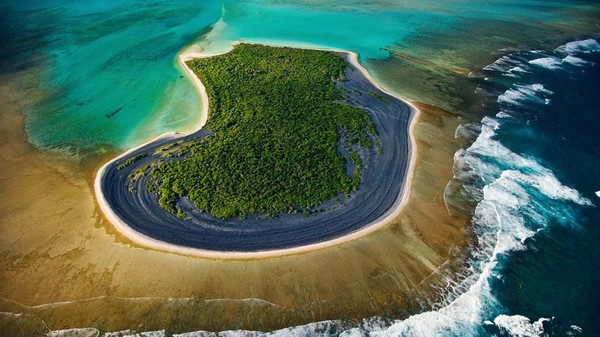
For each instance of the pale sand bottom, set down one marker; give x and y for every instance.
(57, 247)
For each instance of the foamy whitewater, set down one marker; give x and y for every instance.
(522, 202)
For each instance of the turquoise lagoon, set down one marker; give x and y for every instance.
(111, 78)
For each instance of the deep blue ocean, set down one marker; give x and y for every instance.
(530, 166)
(532, 170)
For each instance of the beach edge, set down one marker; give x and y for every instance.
(148, 242)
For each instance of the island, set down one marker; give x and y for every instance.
(298, 149)
(277, 133)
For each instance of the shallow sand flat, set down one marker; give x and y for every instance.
(63, 262)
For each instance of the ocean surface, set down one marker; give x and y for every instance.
(530, 169)
(524, 76)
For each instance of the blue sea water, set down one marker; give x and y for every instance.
(531, 166)
(532, 169)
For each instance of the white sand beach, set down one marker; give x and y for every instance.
(152, 243)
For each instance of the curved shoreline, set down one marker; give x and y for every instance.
(149, 242)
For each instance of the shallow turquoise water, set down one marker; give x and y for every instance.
(111, 76)
(110, 73)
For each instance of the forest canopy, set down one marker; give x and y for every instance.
(276, 123)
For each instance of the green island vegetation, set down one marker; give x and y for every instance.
(132, 160)
(172, 150)
(276, 123)
(379, 97)
(356, 92)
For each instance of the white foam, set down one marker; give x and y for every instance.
(583, 46)
(518, 69)
(85, 332)
(503, 114)
(122, 333)
(323, 328)
(131, 333)
(550, 62)
(506, 191)
(512, 97)
(549, 185)
(576, 61)
(598, 194)
(229, 333)
(519, 94)
(500, 229)
(502, 64)
(515, 71)
(356, 332)
(537, 88)
(518, 168)
(520, 326)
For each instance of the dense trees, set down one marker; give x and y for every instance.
(379, 97)
(131, 160)
(276, 123)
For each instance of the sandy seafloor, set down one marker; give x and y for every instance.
(91, 276)
(62, 265)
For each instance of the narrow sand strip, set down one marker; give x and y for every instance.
(149, 242)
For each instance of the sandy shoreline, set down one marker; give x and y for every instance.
(149, 242)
